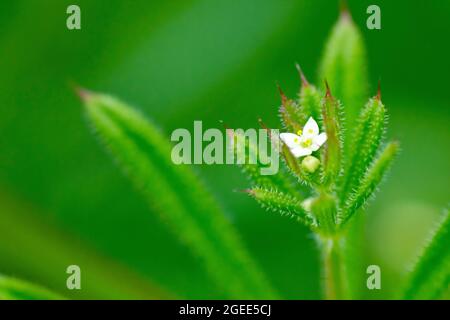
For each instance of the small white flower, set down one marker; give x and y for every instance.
(304, 142)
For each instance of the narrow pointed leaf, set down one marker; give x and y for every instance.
(50, 251)
(246, 149)
(177, 195)
(344, 65)
(290, 115)
(15, 289)
(311, 102)
(284, 204)
(332, 152)
(430, 278)
(293, 164)
(370, 182)
(365, 141)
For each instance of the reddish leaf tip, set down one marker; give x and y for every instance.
(344, 11)
(261, 123)
(247, 191)
(378, 96)
(282, 95)
(328, 91)
(224, 124)
(229, 132)
(82, 93)
(264, 126)
(305, 82)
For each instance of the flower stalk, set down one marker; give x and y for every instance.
(334, 280)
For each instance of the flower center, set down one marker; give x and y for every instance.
(299, 132)
(306, 143)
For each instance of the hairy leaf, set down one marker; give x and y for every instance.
(365, 141)
(303, 178)
(332, 152)
(290, 115)
(284, 204)
(177, 194)
(370, 182)
(430, 278)
(246, 149)
(311, 102)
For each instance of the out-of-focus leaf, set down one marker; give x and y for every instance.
(177, 194)
(430, 278)
(42, 252)
(344, 66)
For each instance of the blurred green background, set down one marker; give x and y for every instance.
(63, 201)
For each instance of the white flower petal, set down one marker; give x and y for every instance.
(290, 139)
(301, 152)
(320, 139)
(311, 128)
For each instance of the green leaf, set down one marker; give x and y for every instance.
(293, 114)
(290, 114)
(177, 195)
(310, 100)
(15, 289)
(284, 204)
(50, 250)
(245, 148)
(344, 66)
(365, 141)
(293, 165)
(332, 152)
(430, 277)
(370, 182)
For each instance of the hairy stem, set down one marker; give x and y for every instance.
(334, 275)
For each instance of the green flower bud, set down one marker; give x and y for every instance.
(310, 164)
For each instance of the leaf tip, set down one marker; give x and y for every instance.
(225, 126)
(282, 95)
(396, 144)
(393, 148)
(246, 191)
(83, 93)
(328, 91)
(303, 79)
(262, 124)
(344, 11)
(378, 96)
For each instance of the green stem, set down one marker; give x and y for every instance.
(335, 282)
